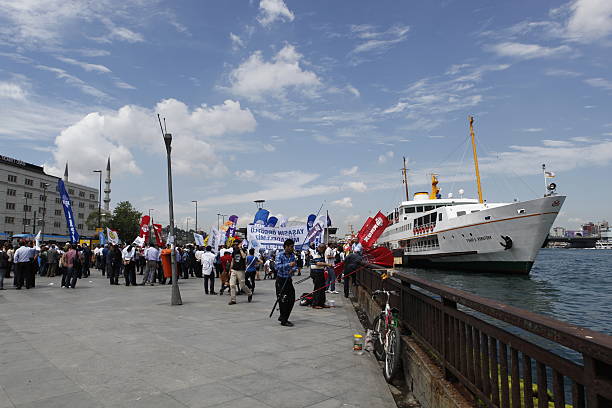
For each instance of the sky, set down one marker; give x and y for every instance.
(312, 103)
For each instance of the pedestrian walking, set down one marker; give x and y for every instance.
(69, 274)
(52, 261)
(150, 255)
(10, 252)
(251, 269)
(225, 261)
(317, 273)
(21, 258)
(4, 264)
(237, 274)
(330, 260)
(129, 265)
(115, 262)
(286, 265)
(207, 259)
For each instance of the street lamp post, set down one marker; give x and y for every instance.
(45, 186)
(150, 226)
(99, 199)
(176, 294)
(25, 212)
(223, 216)
(196, 220)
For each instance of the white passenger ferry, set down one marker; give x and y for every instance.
(606, 240)
(470, 234)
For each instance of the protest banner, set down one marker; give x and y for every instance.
(273, 238)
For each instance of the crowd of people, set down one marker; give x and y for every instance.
(236, 267)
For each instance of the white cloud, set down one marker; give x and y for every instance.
(237, 42)
(358, 186)
(269, 148)
(351, 89)
(527, 51)
(123, 85)
(288, 185)
(86, 66)
(349, 172)
(256, 78)
(384, 157)
(11, 90)
(245, 174)
(273, 10)
(74, 81)
(600, 83)
(590, 20)
(374, 41)
(562, 73)
(345, 202)
(532, 130)
(399, 107)
(130, 128)
(45, 24)
(556, 143)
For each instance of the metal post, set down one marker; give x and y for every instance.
(196, 220)
(45, 186)
(25, 213)
(34, 224)
(176, 294)
(99, 199)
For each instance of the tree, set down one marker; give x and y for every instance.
(126, 221)
(92, 219)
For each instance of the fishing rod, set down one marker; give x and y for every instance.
(278, 298)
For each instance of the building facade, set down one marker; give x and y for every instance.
(30, 202)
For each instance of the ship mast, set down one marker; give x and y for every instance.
(480, 200)
(404, 172)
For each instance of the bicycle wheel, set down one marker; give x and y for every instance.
(379, 335)
(393, 355)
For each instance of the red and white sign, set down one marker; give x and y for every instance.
(157, 228)
(372, 230)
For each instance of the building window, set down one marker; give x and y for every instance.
(81, 194)
(92, 206)
(92, 196)
(81, 215)
(10, 206)
(58, 212)
(80, 226)
(29, 182)
(81, 205)
(57, 224)
(26, 221)
(11, 192)
(41, 210)
(43, 197)
(27, 208)
(58, 200)
(27, 194)
(12, 178)
(70, 191)
(9, 220)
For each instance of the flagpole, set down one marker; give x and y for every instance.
(545, 180)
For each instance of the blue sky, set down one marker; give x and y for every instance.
(305, 102)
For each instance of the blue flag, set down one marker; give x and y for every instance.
(74, 235)
(102, 237)
(261, 217)
(311, 220)
(272, 222)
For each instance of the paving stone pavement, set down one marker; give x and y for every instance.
(115, 346)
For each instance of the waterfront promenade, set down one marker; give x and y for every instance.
(115, 346)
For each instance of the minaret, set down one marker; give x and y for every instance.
(66, 173)
(107, 188)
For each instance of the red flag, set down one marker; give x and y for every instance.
(144, 228)
(157, 228)
(363, 229)
(373, 230)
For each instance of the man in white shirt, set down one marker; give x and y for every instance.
(129, 265)
(207, 259)
(330, 259)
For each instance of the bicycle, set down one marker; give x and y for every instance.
(386, 338)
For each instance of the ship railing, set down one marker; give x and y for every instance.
(504, 356)
(423, 248)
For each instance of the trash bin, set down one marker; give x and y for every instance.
(166, 265)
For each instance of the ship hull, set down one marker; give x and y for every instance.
(502, 239)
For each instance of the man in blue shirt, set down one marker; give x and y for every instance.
(286, 265)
